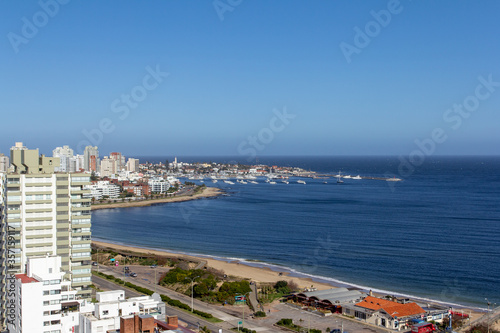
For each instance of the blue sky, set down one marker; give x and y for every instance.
(228, 78)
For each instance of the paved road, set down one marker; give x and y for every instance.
(190, 320)
(230, 320)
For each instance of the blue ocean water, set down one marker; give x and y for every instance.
(434, 235)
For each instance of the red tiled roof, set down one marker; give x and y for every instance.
(392, 308)
(25, 278)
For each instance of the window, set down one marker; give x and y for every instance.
(105, 312)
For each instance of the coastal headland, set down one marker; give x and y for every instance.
(206, 192)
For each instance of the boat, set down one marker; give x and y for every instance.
(229, 182)
(339, 180)
(347, 177)
(393, 179)
(272, 183)
(214, 181)
(357, 177)
(300, 181)
(253, 182)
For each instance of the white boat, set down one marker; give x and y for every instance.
(252, 182)
(214, 181)
(300, 181)
(393, 179)
(273, 183)
(243, 182)
(347, 177)
(357, 177)
(339, 180)
(229, 182)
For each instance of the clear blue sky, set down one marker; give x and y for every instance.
(227, 76)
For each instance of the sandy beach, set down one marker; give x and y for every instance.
(206, 193)
(233, 268)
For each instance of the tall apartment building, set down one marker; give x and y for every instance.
(65, 154)
(48, 214)
(109, 167)
(91, 159)
(133, 165)
(118, 157)
(4, 163)
(3, 250)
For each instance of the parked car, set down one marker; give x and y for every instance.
(133, 274)
(94, 263)
(126, 269)
(154, 266)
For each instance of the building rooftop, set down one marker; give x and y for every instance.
(25, 278)
(392, 308)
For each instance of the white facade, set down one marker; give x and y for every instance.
(65, 154)
(41, 295)
(4, 163)
(158, 185)
(109, 167)
(103, 188)
(111, 305)
(133, 165)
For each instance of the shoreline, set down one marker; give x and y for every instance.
(207, 192)
(263, 272)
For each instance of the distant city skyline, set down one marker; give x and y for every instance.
(251, 78)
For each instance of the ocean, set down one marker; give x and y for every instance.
(435, 235)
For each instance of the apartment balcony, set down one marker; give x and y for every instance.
(41, 218)
(39, 227)
(62, 242)
(62, 182)
(64, 217)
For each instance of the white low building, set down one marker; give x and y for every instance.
(158, 185)
(111, 305)
(101, 189)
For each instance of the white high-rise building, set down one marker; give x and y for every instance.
(65, 154)
(133, 165)
(48, 213)
(4, 163)
(109, 167)
(91, 159)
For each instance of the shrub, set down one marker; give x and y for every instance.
(259, 314)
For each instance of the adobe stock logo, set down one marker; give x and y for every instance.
(265, 136)
(122, 107)
(362, 38)
(453, 118)
(40, 19)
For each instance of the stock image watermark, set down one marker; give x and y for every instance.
(323, 252)
(373, 28)
(453, 118)
(258, 142)
(11, 307)
(122, 106)
(31, 25)
(223, 6)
